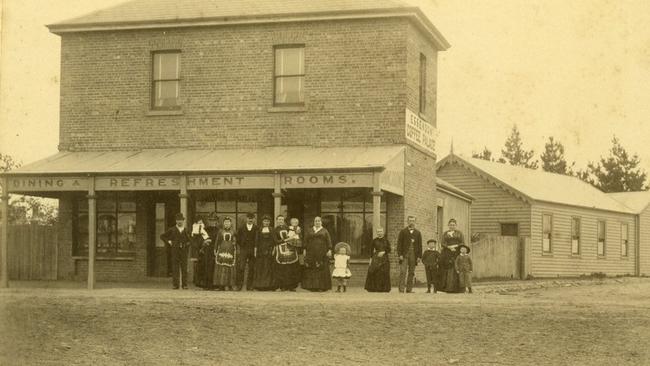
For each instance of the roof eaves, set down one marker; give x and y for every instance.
(628, 211)
(413, 13)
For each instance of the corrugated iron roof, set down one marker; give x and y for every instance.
(450, 187)
(637, 201)
(141, 12)
(227, 160)
(543, 186)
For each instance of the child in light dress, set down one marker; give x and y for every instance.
(341, 272)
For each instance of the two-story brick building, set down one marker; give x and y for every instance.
(323, 107)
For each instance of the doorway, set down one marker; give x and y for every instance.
(161, 209)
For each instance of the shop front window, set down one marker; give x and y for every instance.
(347, 215)
(115, 228)
(233, 204)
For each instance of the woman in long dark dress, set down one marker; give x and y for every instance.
(318, 250)
(287, 269)
(263, 275)
(451, 240)
(378, 278)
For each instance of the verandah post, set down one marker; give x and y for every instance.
(277, 197)
(184, 209)
(376, 203)
(4, 237)
(92, 232)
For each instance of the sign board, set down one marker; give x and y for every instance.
(138, 183)
(230, 181)
(47, 184)
(419, 132)
(325, 180)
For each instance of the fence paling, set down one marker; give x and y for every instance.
(32, 254)
(497, 256)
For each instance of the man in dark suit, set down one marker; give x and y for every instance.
(246, 242)
(409, 250)
(178, 240)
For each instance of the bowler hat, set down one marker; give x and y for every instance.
(464, 246)
(432, 241)
(179, 216)
(266, 217)
(213, 216)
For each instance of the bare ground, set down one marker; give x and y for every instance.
(607, 324)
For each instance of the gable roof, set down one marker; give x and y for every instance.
(538, 185)
(637, 201)
(174, 13)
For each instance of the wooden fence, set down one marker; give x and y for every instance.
(500, 257)
(32, 252)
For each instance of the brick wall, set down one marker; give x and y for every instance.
(355, 82)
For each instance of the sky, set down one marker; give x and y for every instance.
(575, 70)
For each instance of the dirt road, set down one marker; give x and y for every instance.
(588, 325)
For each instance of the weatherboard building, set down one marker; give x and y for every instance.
(303, 108)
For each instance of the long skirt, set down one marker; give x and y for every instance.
(317, 278)
(224, 275)
(378, 278)
(287, 276)
(449, 281)
(263, 280)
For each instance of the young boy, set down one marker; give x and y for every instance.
(463, 266)
(430, 259)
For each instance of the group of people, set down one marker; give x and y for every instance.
(448, 270)
(275, 257)
(285, 256)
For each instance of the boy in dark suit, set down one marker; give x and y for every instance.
(178, 239)
(430, 258)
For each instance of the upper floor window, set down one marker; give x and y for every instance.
(547, 233)
(602, 231)
(625, 240)
(575, 235)
(165, 85)
(289, 75)
(423, 83)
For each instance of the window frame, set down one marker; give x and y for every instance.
(550, 239)
(501, 224)
(604, 223)
(625, 244)
(422, 90)
(276, 77)
(152, 102)
(578, 250)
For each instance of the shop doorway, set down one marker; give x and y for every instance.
(160, 213)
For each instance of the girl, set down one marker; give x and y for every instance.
(342, 266)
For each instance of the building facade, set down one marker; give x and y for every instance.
(326, 111)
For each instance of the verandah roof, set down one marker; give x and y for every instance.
(226, 160)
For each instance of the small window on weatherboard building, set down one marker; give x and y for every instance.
(547, 233)
(509, 229)
(289, 75)
(165, 81)
(575, 235)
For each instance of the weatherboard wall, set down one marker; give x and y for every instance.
(492, 205)
(560, 262)
(644, 242)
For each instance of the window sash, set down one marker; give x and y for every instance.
(624, 240)
(289, 75)
(423, 83)
(547, 229)
(165, 79)
(575, 235)
(601, 240)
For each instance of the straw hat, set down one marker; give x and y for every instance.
(342, 245)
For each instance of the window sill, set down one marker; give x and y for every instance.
(625, 258)
(601, 257)
(547, 254)
(84, 258)
(575, 256)
(280, 109)
(170, 112)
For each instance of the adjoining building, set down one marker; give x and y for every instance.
(639, 202)
(326, 108)
(574, 228)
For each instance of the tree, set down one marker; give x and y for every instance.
(514, 153)
(553, 159)
(486, 154)
(618, 172)
(24, 209)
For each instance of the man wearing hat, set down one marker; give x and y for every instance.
(463, 266)
(246, 241)
(409, 250)
(178, 240)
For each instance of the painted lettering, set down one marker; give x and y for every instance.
(148, 182)
(113, 182)
(343, 179)
(124, 182)
(328, 179)
(203, 181)
(300, 180)
(162, 182)
(227, 180)
(288, 180)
